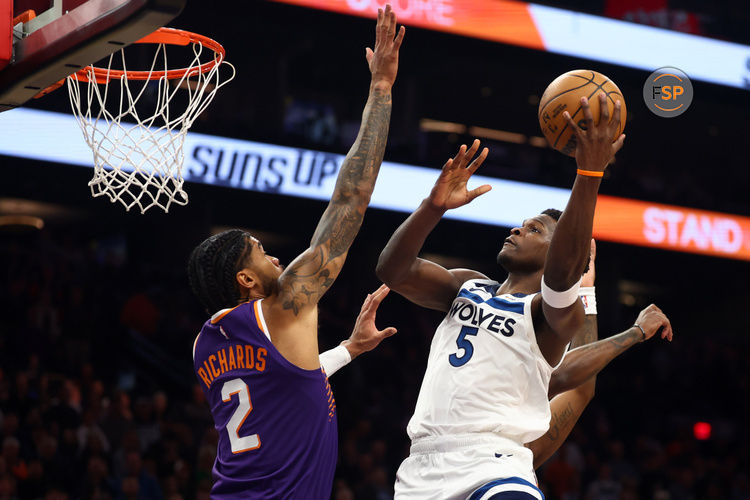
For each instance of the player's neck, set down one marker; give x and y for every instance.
(526, 283)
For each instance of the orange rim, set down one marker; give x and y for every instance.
(167, 36)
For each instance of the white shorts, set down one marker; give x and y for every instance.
(475, 466)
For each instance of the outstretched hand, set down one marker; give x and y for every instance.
(366, 336)
(383, 61)
(653, 320)
(594, 146)
(450, 190)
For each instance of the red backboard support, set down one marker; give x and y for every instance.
(6, 32)
(79, 37)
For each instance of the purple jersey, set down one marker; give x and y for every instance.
(276, 422)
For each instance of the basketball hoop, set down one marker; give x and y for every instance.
(137, 137)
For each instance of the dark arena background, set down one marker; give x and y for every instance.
(98, 398)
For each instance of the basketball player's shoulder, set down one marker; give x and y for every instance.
(239, 323)
(481, 284)
(463, 275)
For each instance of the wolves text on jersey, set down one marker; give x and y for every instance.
(477, 316)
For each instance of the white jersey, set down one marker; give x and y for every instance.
(485, 372)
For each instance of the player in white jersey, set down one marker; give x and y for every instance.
(484, 394)
(572, 384)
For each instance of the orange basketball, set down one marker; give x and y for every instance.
(564, 93)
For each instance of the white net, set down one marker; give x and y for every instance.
(137, 128)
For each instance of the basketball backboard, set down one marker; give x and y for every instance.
(50, 39)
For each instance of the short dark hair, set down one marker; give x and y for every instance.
(212, 268)
(553, 212)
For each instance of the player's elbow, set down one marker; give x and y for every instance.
(555, 386)
(387, 270)
(559, 382)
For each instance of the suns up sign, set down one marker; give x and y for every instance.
(304, 173)
(672, 228)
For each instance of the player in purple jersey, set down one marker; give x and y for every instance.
(274, 410)
(234, 355)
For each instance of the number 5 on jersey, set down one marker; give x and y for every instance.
(463, 343)
(245, 406)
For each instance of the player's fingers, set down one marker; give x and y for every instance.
(592, 252)
(393, 27)
(615, 124)
(448, 164)
(378, 296)
(383, 27)
(655, 308)
(666, 333)
(390, 22)
(603, 108)
(366, 303)
(474, 193)
(618, 144)
(399, 38)
(588, 118)
(379, 27)
(669, 330)
(478, 161)
(381, 289)
(573, 125)
(471, 151)
(459, 156)
(369, 54)
(387, 332)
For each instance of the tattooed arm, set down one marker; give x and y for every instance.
(585, 362)
(291, 309)
(567, 408)
(577, 376)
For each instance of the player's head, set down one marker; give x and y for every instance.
(525, 250)
(229, 268)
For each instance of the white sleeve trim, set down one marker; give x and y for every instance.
(263, 325)
(560, 300)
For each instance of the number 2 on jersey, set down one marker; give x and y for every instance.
(245, 406)
(463, 343)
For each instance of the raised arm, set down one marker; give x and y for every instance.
(307, 278)
(567, 408)
(421, 281)
(583, 363)
(568, 251)
(572, 384)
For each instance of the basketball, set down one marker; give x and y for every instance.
(564, 93)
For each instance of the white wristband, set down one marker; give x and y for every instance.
(588, 296)
(560, 300)
(334, 359)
